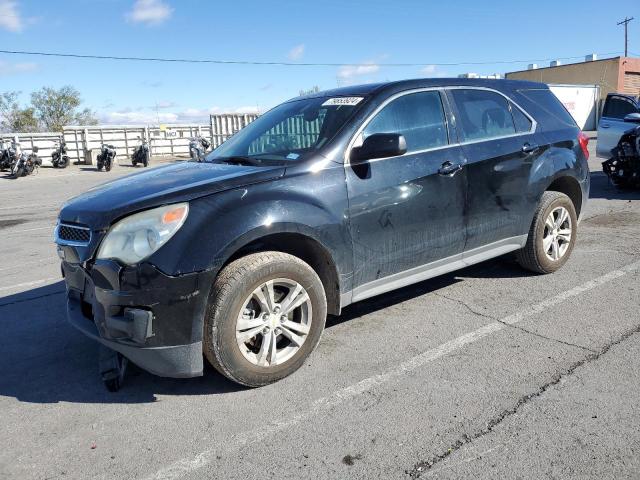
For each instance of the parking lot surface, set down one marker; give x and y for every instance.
(489, 372)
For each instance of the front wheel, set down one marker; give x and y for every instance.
(552, 235)
(145, 161)
(18, 172)
(265, 315)
(107, 165)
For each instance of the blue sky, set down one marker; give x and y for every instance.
(368, 32)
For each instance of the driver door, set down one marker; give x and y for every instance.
(407, 212)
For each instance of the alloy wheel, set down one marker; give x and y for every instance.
(274, 322)
(557, 233)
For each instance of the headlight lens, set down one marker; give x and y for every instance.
(134, 238)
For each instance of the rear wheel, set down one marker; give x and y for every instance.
(145, 161)
(266, 314)
(107, 165)
(552, 235)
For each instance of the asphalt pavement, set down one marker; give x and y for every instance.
(489, 372)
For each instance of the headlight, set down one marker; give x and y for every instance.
(136, 237)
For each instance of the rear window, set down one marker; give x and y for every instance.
(618, 107)
(545, 100)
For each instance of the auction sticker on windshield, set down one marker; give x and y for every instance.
(332, 102)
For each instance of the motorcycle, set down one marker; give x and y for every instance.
(198, 147)
(25, 164)
(59, 157)
(141, 154)
(5, 157)
(623, 168)
(106, 157)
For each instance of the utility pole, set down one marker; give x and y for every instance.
(625, 22)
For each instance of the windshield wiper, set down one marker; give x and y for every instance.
(241, 160)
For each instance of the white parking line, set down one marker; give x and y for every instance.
(190, 464)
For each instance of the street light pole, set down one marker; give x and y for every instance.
(625, 22)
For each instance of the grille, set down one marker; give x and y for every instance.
(70, 233)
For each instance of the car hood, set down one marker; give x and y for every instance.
(101, 205)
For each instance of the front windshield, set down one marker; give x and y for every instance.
(289, 132)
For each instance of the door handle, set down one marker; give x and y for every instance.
(605, 125)
(529, 148)
(449, 169)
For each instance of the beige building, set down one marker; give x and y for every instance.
(618, 74)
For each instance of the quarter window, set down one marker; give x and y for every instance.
(522, 122)
(419, 117)
(482, 115)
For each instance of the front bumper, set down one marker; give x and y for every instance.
(152, 319)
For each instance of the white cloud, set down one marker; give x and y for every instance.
(151, 12)
(349, 72)
(149, 116)
(247, 109)
(10, 18)
(296, 52)
(165, 104)
(432, 71)
(7, 68)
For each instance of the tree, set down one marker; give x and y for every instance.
(13, 118)
(57, 108)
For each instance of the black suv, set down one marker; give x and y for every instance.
(323, 201)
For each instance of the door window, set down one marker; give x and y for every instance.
(419, 117)
(618, 107)
(482, 115)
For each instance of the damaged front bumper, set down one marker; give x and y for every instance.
(153, 319)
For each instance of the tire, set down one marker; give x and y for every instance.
(64, 162)
(145, 161)
(534, 256)
(18, 173)
(228, 297)
(107, 165)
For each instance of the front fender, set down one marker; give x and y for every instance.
(313, 205)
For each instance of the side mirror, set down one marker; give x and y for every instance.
(380, 145)
(632, 118)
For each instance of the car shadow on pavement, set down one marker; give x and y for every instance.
(501, 267)
(602, 187)
(43, 359)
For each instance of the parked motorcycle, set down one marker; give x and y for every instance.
(5, 157)
(59, 157)
(198, 147)
(25, 164)
(106, 157)
(141, 154)
(623, 168)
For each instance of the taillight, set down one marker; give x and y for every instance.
(583, 140)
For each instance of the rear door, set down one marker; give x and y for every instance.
(612, 124)
(500, 145)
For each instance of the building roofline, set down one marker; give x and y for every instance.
(566, 65)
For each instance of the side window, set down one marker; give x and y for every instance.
(523, 124)
(617, 107)
(482, 114)
(417, 116)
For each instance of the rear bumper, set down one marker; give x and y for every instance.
(152, 319)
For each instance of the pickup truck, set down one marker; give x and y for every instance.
(620, 113)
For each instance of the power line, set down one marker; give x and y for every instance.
(284, 64)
